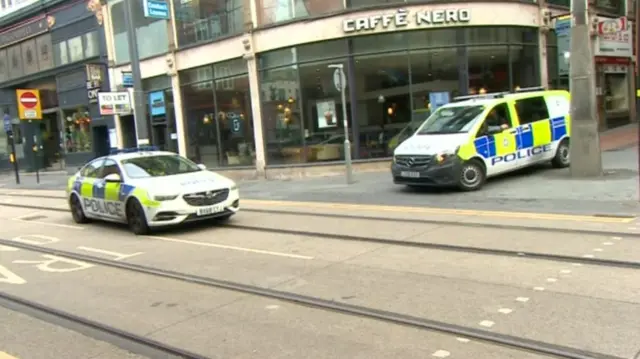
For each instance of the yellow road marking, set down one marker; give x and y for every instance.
(440, 211)
(4, 355)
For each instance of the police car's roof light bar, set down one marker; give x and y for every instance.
(529, 89)
(134, 149)
(480, 96)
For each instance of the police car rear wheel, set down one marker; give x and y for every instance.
(76, 210)
(136, 218)
(472, 176)
(562, 158)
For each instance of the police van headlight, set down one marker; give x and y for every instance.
(165, 197)
(447, 155)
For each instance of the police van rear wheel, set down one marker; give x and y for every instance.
(76, 210)
(472, 176)
(136, 218)
(562, 158)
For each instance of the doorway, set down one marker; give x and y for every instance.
(159, 136)
(101, 144)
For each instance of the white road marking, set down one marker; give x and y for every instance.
(463, 340)
(45, 265)
(119, 256)
(242, 249)
(552, 280)
(30, 214)
(272, 307)
(565, 271)
(36, 239)
(505, 310)
(7, 249)
(441, 354)
(616, 238)
(597, 249)
(7, 276)
(49, 224)
(607, 243)
(487, 323)
(632, 228)
(539, 289)
(6, 200)
(522, 299)
(588, 256)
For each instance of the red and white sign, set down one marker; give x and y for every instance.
(615, 37)
(29, 100)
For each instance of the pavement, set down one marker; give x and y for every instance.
(550, 301)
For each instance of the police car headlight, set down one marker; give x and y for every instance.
(447, 155)
(165, 198)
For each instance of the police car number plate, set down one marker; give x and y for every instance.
(205, 211)
(410, 174)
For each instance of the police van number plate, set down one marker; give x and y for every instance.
(410, 174)
(205, 211)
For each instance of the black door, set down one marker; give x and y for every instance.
(159, 136)
(101, 145)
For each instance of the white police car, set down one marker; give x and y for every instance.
(147, 188)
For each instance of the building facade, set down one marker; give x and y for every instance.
(247, 83)
(54, 47)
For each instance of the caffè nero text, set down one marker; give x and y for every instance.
(403, 18)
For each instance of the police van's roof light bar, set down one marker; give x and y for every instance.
(134, 149)
(529, 89)
(480, 96)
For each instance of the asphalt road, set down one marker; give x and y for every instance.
(539, 189)
(565, 303)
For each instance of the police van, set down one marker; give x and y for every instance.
(146, 189)
(476, 137)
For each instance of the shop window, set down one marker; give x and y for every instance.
(616, 96)
(77, 130)
(91, 44)
(75, 49)
(276, 11)
(206, 20)
(565, 3)
(523, 35)
(282, 116)
(278, 58)
(483, 35)
(420, 39)
(382, 85)
(322, 50)
(380, 43)
(146, 28)
(432, 71)
(488, 69)
(229, 68)
(525, 71)
(612, 7)
(354, 4)
(61, 53)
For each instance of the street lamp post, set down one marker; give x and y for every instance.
(139, 109)
(340, 81)
(586, 159)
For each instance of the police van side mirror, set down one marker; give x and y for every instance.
(113, 177)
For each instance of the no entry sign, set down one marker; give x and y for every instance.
(29, 107)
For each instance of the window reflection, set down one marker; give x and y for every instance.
(151, 33)
(275, 11)
(488, 69)
(206, 20)
(218, 115)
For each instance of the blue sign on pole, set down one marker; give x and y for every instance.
(127, 79)
(7, 123)
(156, 9)
(156, 104)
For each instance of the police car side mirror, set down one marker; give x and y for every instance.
(202, 167)
(113, 177)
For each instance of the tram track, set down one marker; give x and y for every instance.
(503, 340)
(413, 244)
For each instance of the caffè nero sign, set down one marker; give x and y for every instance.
(403, 18)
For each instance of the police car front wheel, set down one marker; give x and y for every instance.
(562, 158)
(76, 210)
(472, 176)
(136, 218)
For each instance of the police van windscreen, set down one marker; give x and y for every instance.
(158, 166)
(445, 120)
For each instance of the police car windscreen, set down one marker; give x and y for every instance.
(458, 119)
(158, 166)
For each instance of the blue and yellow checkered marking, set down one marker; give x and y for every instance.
(558, 128)
(485, 146)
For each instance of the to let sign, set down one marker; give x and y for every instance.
(29, 107)
(114, 103)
